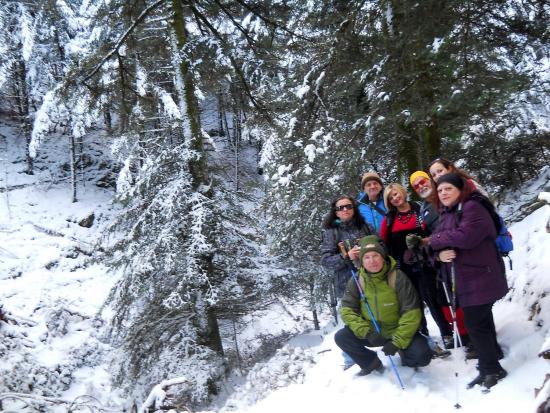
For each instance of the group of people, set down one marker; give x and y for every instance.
(392, 256)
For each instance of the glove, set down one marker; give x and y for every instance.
(389, 348)
(413, 241)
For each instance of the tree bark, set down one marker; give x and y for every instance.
(22, 100)
(72, 145)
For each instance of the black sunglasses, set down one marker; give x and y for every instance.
(343, 207)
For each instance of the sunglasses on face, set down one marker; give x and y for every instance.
(343, 207)
(422, 182)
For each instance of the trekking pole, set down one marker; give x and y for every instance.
(333, 300)
(455, 326)
(456, 335)
(394, 368)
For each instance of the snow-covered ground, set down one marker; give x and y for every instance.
(521, 319)
(48, 281)
(53, 287)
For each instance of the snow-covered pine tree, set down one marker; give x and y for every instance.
(186, 260)
(32, 34)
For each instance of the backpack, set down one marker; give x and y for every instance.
(503, 241)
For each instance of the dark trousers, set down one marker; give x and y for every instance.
(428, 294)
(418, 353)
(481, 328)
(424, 281)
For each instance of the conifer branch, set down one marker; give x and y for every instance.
(236, 67)
(122, 39)
(273, 23)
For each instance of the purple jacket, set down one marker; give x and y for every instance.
(480, 272)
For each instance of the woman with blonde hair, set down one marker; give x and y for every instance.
(404, 218)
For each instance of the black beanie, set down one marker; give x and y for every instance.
(453, 179)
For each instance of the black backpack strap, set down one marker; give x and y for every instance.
(378, 209)
(390, 217)
(458, 213)
(367, 229)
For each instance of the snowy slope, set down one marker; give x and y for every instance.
(327, 388)
(49, 284)
(522, 326)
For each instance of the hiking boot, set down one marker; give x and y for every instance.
(478, 380)
(375, 365)
(439, 353)
(491, 379)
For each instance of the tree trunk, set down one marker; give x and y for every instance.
(72, 145)
(236, 140)
(22, 101)
(188, 103)
(432, 141)
(192, 133)
(221, 113)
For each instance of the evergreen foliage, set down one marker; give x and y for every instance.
(326, 89)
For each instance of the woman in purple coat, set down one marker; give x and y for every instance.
(464, 242)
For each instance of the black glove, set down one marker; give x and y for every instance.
(389, 348)
(413, 241)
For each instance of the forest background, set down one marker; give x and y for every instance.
(320, 91)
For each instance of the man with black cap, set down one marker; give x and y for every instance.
(393, 299)
(371, 202)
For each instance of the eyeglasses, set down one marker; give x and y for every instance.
(422, 182)
(343, 207)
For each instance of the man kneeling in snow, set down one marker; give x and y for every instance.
(395, 304)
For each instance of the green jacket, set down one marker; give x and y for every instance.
(397, 310)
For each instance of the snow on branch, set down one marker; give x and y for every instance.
(43, 122)
(170, 107)
(122, 39)
(157, 396)
(24, 400)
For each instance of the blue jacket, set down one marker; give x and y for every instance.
(369, 213)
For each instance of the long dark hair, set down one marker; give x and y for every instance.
(331, 220)
(451, 167)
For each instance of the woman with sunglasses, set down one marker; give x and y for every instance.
(342, 228)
